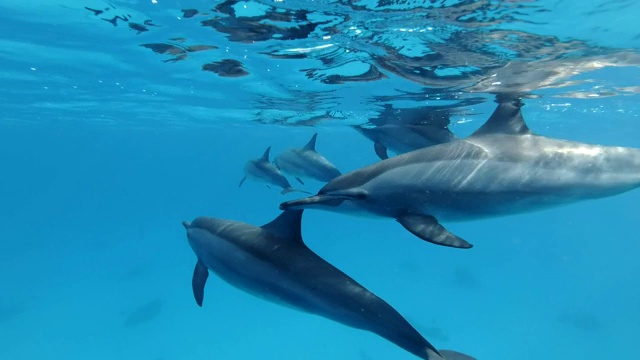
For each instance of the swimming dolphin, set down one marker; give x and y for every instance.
(272, 262)
(408, 129)
(306, 162)
(501, 169)
(404, 138)
(263, 170)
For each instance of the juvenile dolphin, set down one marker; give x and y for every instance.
(501, 169)
(306, 162)
(263, 170)
(272, 262)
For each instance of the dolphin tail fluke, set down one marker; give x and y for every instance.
(454, 355)
(290, 189)
(200, 275)
(427, 228)
(242, 181)
(432, 354)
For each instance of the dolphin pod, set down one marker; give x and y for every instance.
(303, 162)
(262, 169)
(501, 169)
(272, 261)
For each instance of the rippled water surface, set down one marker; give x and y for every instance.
(120, 119)
(307, 62)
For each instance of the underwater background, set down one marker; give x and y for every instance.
(121, 119)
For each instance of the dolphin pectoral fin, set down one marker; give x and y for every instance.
(200, 275)
(427, 228)
(242, 181)
(381, 150)
(454, 355)
(300, 180)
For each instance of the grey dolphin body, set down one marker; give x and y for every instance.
(404, 138)
(402, 130)
(306, 162)
(263, 170)
(501, 169)
(273, 263)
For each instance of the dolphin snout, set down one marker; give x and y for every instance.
(298, 204)
(186, 224)
(311, 201)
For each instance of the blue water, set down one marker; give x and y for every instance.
(105, 148)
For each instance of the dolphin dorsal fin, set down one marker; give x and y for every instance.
(506, 119)
(287, 225)
(311, 145)
(265, 156)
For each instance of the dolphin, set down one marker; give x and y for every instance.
(404, 130)
(263, 170)
(404, 138)
(272, 262)
(306, 162)
(501, 169)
